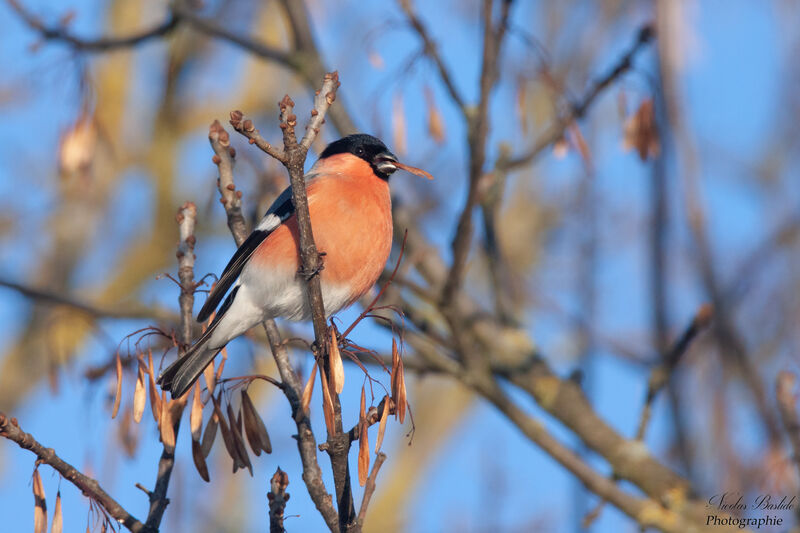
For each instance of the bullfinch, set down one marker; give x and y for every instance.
(351, 217)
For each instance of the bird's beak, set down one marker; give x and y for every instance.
(386, 162)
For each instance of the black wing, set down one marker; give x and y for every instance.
(280, 210)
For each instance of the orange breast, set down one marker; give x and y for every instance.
(351, 220)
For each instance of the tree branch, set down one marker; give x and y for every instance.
(477, 131)
(292, 388)
(102, 44)
(277, 498)
(579, 109)
(186, 219)
(41, 295)
(660, 375)
(787, 406)
(338, 444)
(369, 487)
(9, 429)
(430, 49)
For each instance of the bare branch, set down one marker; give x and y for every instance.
(292, 388)
(246, 127)
(208, 27)
(660, 375)
(9, 429)
(477, 131)
(787, 405)
(339, 443)
(277, 497)
(41, 295)
(431, 50)
(580, 108)
(322, 101)
(103, 44)
(186, 219)
(369, 487)
(230, 198)
(187, 216)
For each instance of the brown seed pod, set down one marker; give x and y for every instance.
(196, 414)
(40, 504)
(165, 425)
(327, 403)
(308, 391)
(335, 362)
(200, 460)
(238, 439)
(210, 434)
(254, 427)
(139, 394)
(58, 518)
(155, 399)
(227, 437)
(118, 393)
(382, 426)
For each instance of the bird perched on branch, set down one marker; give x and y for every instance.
(351, 218)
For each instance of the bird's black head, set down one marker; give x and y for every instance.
(369, 148)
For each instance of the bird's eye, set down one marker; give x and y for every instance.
(360, 151)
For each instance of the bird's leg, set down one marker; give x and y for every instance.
(308, 274)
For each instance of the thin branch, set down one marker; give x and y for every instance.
(9, 429)
(787, 406)
(246, 127)
(369, 487)
(102, 44)
(338, 444)
(186, 219)
(277, 498)
(477, 132)
(647, 512)
(230, 198)
(310, 64)
(210, 28)
(292, 387)
(579, 109)
(45, 296)
(431, 50)
(660, 375)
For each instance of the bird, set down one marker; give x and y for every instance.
(351, 219)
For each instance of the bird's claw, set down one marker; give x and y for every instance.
(308, 274)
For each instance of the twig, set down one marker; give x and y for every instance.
(369, 487)
(231, 198)
(9, 429)
(102, 44)
(787, 405)
(432, 52)
(660, 375)
(95, 312)
(208, 27)
(277, 497)
(186, 218)
(580, 108)
(246, 127)
(477, 131)
(292, 388)
(339, 444)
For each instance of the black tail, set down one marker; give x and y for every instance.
(181, 375)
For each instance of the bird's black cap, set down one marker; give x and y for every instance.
(369, 148)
